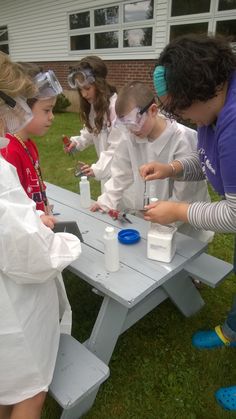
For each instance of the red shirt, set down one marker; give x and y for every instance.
(15, 154)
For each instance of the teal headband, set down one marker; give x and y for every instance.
(160, 81)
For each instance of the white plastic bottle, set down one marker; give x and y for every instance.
(111, 250)
(85, 196)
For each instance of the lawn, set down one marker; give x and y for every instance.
(155, 372)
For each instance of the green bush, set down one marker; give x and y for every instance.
(61, 104)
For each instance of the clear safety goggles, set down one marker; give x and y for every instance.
(15, 113)
(48, 85)
(135, 119)
(79, 78)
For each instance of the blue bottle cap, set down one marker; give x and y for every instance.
(128, 236)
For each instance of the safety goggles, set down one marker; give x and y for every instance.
(47, 84)
(79, 78)
(135, 119)
(15, 113)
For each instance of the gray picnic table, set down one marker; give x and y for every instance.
(139, 286)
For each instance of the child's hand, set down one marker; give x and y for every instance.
(155, 170)
(70, 148)
(48, 220)
(95, 207)
(87, 171)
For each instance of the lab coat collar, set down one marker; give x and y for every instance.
(3, 142)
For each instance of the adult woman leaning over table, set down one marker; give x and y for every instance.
(195, 79)
(32, 257)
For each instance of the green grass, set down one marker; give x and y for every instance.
(155, 372)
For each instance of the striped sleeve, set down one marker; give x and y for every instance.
(216, 216)
(192, 170)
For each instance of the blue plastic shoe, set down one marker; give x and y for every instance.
(209, 339)
(226, 397)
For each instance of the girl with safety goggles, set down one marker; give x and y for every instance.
(32, 257)
(97, 112)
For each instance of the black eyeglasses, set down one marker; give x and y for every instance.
(8, 100)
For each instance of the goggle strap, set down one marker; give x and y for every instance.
(8, 100)
(143, 110)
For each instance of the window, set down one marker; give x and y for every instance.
(178, 30)
(124, 26)
(227, 4)
(4, 46)
(228, 28)
(203, 16)
(189, 7)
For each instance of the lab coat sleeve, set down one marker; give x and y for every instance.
(30, 251)
(121, 178)
(84, 140)
(186, 144)
(102, 168)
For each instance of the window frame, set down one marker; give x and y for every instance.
(121, 26)
(4, 28)
(212, 17)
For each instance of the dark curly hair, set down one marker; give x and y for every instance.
(196, 68)
(103, 92)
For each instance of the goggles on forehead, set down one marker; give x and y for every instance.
(47, 84)
(15, 113)
(135, 119)
(79, 78)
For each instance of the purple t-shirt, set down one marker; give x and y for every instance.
(217, 145)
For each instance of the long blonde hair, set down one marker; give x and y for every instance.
(13, 80)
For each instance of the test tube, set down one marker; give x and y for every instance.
(145, 196)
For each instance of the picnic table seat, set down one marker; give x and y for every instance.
(201, 269)
(78, 373)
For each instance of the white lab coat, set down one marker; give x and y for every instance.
(32, 257)
(125, 189)
(105, 142)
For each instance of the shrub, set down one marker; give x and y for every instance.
(61, 104)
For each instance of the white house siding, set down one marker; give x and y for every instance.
(38, 30)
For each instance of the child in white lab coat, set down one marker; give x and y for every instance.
(97, 112)
(149, 136)
(32, 257)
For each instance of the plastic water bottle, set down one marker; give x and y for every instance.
(111, 253)
(85, 196)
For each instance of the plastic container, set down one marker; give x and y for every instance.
(128, 236)
(161, 242)
(111, 250)
(85, 196)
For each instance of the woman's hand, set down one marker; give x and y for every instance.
(155, 170)
(166, 212)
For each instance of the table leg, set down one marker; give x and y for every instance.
(107, 329)
(184, 294)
